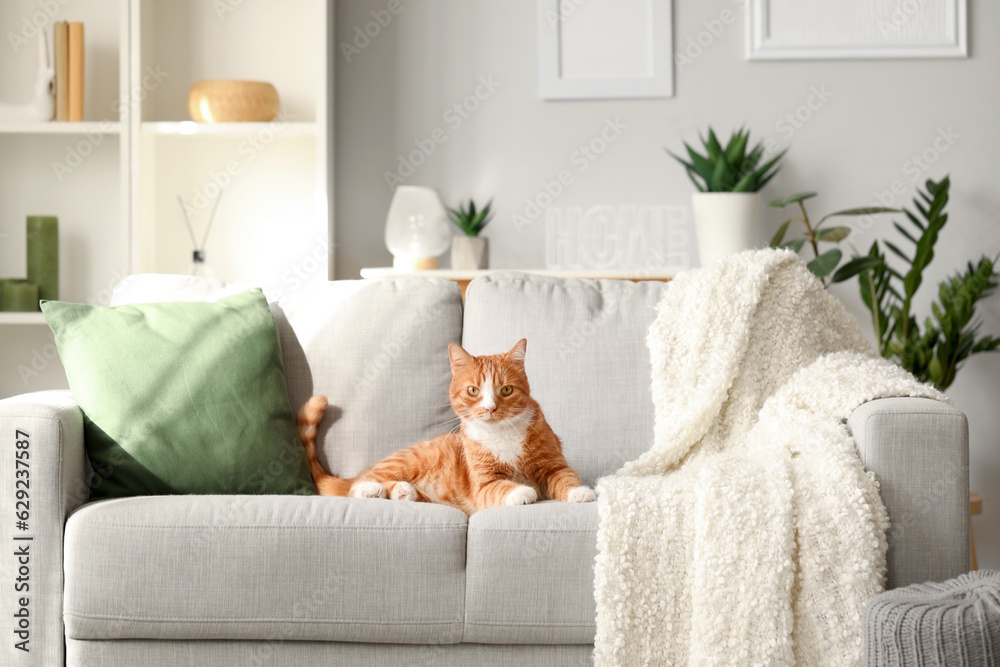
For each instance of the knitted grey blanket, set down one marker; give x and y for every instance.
(956, 623)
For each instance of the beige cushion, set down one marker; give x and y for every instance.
(587, 360)
(377, 349)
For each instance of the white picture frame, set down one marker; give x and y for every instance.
(605, 49)
(766, 40)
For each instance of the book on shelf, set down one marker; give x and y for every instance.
(69, 64)
(60, 36)
(75, 58)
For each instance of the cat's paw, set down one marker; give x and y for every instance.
(522, 495)
(403, 491)
(367, 490)
(581, 494)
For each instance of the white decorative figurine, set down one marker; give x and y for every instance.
(42, 107)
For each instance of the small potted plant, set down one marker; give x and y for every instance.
(469, 250)
(727, 204)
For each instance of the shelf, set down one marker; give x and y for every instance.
(52, 127)
(22, 318)
(191, 127)
(452, 274)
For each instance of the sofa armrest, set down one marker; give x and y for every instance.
(52, 476)
(918, 449)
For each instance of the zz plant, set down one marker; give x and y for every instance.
(731, 168)
(935, 352)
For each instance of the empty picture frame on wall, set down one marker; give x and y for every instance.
(795, 30)
(600, 49)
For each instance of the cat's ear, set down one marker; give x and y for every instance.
(516, 354)
(458, 356)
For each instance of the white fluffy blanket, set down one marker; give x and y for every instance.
(749, 534)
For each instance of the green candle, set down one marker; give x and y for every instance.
(20, 297)
(43, 255)
(4, 281)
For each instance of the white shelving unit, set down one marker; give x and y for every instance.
(61, 128)
(22, 318)
(137, 150)
(190, 127)
(269, 181)
(76, 171)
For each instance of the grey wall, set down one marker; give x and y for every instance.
(861, 137)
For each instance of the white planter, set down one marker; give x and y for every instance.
(727, 223)
(470, 253)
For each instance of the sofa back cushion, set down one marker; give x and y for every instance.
(378, 350)
(587, 360)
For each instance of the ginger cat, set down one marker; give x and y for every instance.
(505, 453)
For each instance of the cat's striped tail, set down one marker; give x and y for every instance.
(308, 421)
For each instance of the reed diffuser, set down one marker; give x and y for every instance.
(198, 265)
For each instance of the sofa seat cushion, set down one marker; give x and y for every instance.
(265, 568)
(530, 574)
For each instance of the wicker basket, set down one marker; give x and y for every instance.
(227, 101)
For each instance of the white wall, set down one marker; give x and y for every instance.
(870, 119)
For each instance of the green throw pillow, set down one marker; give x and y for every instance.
(184, 397)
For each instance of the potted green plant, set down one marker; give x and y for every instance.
(727, 204)
(469, 250)
(936, 351)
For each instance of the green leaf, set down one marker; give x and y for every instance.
(902, 230)
(719, 176)
(779, 235)
(824, 265)
(702, 164)
(794, 245)
(865, 210)
(898, 252)
(714, 149)
(834, 234)
(935, 371)
(759, 175)
(736, 150)
(854, 267)
(691, 173)
(791, 199)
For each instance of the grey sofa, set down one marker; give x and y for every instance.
(279, 580)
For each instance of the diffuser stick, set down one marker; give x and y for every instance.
(187, 221)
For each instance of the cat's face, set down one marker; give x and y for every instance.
(490, 388)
